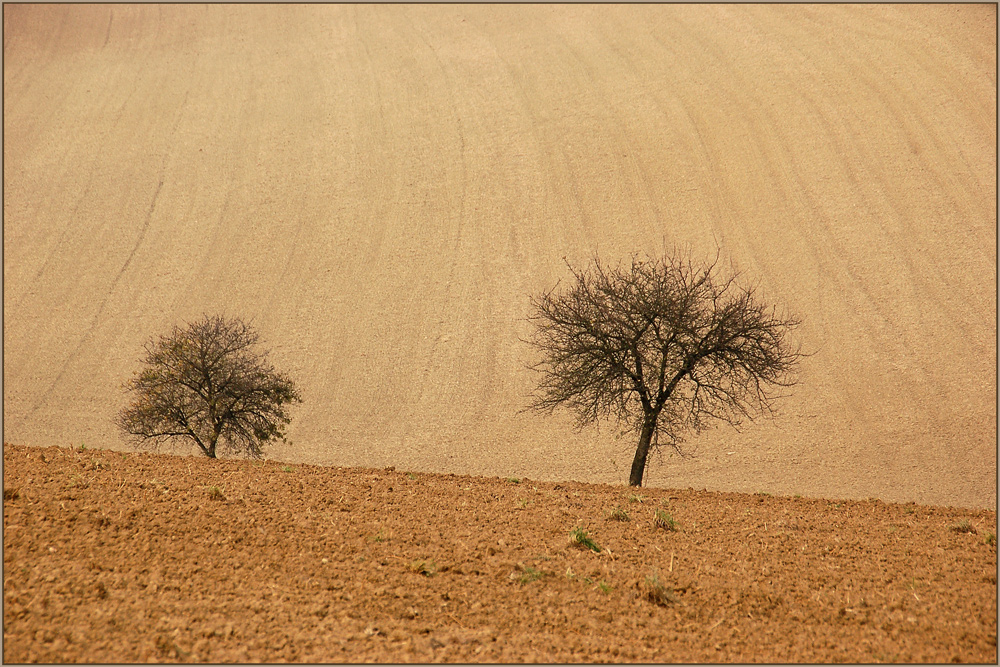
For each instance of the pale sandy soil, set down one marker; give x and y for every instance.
(381, 187)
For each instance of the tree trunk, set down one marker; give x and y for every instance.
(642, 451)
(216, 432)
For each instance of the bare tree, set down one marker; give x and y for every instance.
(207, 383)
(661, 346)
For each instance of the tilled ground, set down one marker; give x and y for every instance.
(112, 557)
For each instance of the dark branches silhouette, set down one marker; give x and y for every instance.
(661, 346)
(207, 383)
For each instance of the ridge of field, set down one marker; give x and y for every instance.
(381, 187)
(134, 557)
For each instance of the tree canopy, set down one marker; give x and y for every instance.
(207, 383)
(662, 346)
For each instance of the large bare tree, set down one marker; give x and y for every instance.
(661, 346)
(207, 383)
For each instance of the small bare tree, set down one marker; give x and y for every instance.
(661, 346)
(207, 383)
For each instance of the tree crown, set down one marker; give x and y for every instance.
(660, 343)
(206, 382)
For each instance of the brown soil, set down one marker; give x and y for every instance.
(117, 557)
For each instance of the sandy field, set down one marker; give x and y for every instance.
(380, 188)
(114, 557)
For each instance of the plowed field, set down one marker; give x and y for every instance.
(116, 557)
(381, 187)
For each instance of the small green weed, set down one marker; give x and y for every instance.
(604, 586)
(215, 493)
(513, 480)
(525, 574)
(657, 593)
(990, 539)
(619, 514)
(286, 469)
(964, 526)
(529, 574)
(579, 537)
(663, 520)
(411, 476)
(425, 567)
(636, 499)
(83, 447)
